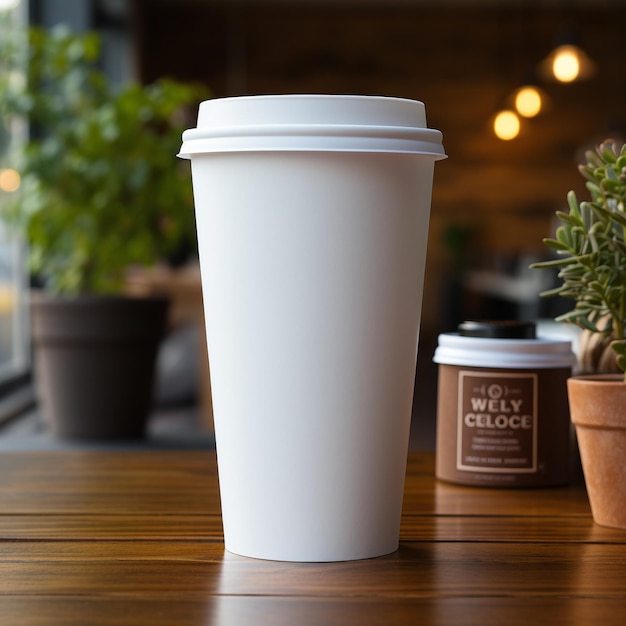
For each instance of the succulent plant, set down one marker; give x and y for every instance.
(591, 258)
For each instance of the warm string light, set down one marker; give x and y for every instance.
(528, 101)
(506, 125)
(566, 64)
(10, 180)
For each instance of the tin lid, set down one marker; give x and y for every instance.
(538, 353)
(498, 329)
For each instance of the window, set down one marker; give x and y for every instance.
(15, 361)
(14, 332)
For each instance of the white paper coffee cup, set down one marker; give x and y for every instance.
(312, 216)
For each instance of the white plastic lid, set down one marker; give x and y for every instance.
(312, 123)
(540, 353)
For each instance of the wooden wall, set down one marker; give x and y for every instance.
(461, 61)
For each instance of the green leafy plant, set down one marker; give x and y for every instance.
(590, 244)
(101, 188)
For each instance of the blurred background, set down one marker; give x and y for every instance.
(493, 199)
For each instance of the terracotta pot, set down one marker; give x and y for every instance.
(94, 361)
(598, 410)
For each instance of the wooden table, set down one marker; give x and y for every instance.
(135, 538)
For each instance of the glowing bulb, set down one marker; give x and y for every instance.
(566, 65)
(528, 101)
(9, 180)
(506, 125)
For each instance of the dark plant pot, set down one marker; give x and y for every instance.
(95, 358)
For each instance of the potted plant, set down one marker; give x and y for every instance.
(100, 191)
(591, 248)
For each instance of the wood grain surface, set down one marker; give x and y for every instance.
(136, 538)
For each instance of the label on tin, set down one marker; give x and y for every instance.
(497, 422)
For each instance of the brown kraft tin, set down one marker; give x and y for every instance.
(502, 411)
